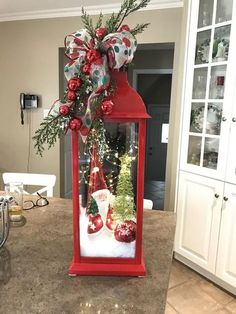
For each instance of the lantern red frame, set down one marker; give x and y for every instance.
(135, 112)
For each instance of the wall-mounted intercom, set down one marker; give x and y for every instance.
(27, 102)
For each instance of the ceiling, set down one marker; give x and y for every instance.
(12, 10)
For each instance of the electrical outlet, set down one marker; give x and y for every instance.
(45, 112)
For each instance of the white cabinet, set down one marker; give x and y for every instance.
(205, 231)
(198, 219)
(226, 259)
(206, 197)
(209, 90)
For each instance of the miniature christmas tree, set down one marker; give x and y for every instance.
(124, 207)
(92, 207)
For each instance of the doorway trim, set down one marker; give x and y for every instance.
(136, 72)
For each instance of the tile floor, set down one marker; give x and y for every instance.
(190, 293)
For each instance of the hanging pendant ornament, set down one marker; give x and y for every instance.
(75, 124)
(64, 110)
(107, 107)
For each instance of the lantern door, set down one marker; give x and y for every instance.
(109, 205)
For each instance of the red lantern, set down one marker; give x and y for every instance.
(107, 226)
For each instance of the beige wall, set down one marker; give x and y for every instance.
(29, 63)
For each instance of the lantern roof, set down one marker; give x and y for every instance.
(127, 102)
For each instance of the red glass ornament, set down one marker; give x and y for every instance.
(107, 107)
(95, 224)
(86, 69)
(71, 95)
(92, 55)
(100, 32)
(74, 83)
(75, 124)
(64, 110)
(124, 27)
(126, 231)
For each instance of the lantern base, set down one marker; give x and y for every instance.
(96, 269)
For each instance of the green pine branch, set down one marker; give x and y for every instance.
(127, 7)
(139, 28)
(88, 23)
(99, 21)
(49, 131)
(131, 6)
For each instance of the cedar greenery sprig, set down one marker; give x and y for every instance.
(139, 28)
(99, 21)
(49, 131)
(130, 6)
(116, 19)
(88, 23)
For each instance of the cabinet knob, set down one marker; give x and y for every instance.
(217, 195)
(225, 198)
(224, 119)
(234, 119)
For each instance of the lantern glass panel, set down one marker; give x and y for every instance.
(108, 180)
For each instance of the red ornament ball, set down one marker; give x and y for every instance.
(64, 110)
(92, 55)
(124, 28)
(86, 69)
(71, 95)
(95, 224)
(107, 107)
(74, 83)
(100, 32)
(126, 231)
(75, 124)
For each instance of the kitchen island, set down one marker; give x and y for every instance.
(35, 260)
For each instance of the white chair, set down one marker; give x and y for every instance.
(46, 180)
(147, 204)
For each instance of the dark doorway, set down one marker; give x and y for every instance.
(152, 79)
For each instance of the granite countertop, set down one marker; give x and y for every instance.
(35, 260)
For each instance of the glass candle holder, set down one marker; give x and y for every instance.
(15, 190)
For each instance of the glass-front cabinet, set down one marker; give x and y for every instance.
(206, 193)
(210, 81)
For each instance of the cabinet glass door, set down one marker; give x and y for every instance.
(209, 80)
